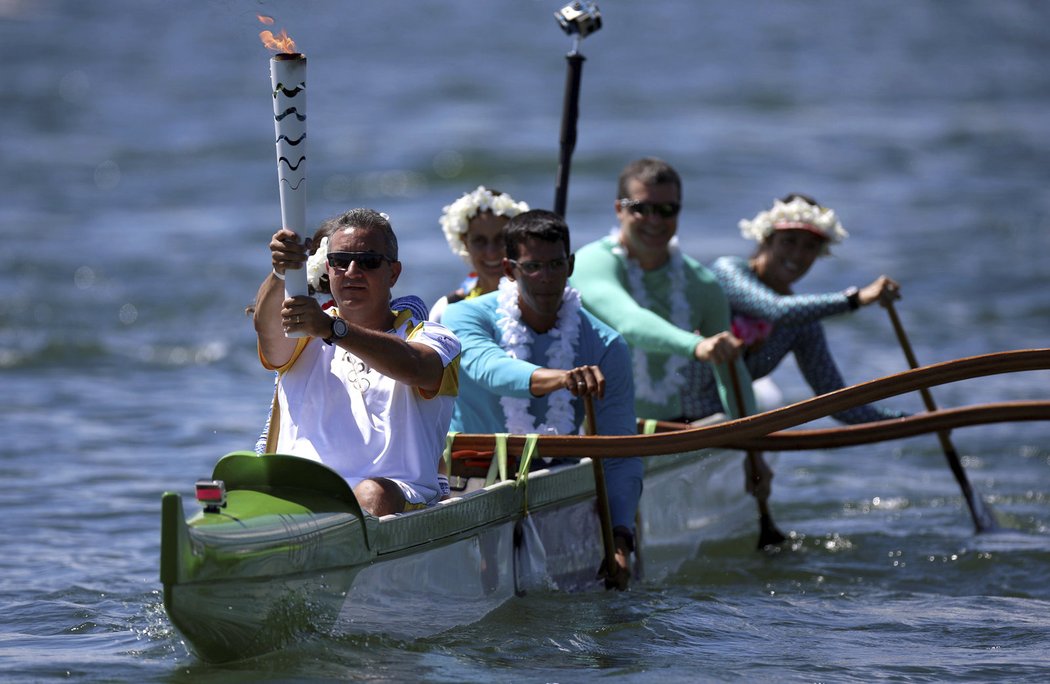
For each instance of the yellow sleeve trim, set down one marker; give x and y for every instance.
(300, 345)
(410, 332)
(449, 382)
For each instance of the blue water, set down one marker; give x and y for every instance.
(139, 195)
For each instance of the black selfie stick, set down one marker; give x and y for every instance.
(578, 20)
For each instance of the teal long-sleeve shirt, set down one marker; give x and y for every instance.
(487, 373)
(601, 277)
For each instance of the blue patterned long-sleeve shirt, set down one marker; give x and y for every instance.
(795, 328)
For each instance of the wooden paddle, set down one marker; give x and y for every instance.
(602, 493)
(983, 520)
(768, 534)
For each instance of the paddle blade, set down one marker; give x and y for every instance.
(619, 579)
(768, 534)
(983, 518)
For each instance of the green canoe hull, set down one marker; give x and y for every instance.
(292, 554)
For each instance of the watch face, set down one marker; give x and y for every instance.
(339, 328)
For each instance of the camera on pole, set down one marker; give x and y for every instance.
(581, 18)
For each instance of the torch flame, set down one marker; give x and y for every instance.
(278, 43)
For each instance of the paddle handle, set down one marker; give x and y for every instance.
(982, 520)
(752, 457)
(590, 427)
(909, 353)
(600, 490)
(927, 396)
(768, 534)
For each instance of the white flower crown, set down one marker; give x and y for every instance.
(456, 216)
(798, 213)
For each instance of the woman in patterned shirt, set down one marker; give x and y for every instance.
(771, 319)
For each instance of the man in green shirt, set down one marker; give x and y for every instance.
(668, 306)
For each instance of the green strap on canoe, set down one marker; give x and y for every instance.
(649, 427)
(528, 452)
(498, 466)
(499, 460)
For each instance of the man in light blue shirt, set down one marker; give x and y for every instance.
(530, 352)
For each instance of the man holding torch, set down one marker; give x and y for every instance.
(364, 389)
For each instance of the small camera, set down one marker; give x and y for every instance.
(579, 17)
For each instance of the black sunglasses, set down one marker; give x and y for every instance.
(664, 209)
(369, 261)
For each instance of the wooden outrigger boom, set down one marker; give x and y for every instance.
(739, 433)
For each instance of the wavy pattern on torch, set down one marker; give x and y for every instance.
(282, 89)
(289, 112)
(289, 183)
(293, 167)
(742, 430)
(290, 141)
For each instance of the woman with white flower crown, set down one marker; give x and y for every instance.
(771, 319)
(473, 226)
(530, 352)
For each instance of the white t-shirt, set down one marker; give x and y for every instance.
(336, 410)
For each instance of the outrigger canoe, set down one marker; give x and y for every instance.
(282, 550)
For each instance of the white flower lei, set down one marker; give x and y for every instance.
(456, 216)
(516, 339)
(674, 367)
(798, 213)
(315, 264)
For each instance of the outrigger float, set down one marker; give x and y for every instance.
(282, 550)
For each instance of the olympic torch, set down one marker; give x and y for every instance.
(288, 82)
